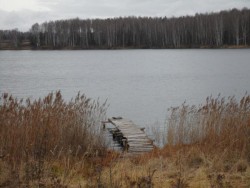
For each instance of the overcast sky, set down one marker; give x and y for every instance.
(22, 14)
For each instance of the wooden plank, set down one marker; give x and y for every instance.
(134, 136)
(134, 139)
(137, 150)
(132, 132)
(139, 141)
(140, 145)
(141, 149)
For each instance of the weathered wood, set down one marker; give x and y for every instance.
(140, 141)
(132, 138)
(138, 144)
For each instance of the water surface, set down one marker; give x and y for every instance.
(139, 84)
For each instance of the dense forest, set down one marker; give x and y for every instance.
(213, 30)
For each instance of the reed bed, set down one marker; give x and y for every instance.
(220, 125)
(48, 131)
(52, 143)
(204, 146)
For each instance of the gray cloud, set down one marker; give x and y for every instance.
(22, 19)
(62, 9)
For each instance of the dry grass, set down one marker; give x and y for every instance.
(47, 138)
(50, 143)
(207, 146)
(171, 167)
(220, 126)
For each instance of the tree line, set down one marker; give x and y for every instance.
(210, 30)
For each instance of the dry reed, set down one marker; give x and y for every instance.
(52, 143)
(220, 126)
(206, 146)
(49, 130)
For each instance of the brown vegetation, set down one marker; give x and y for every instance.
(220, 126)
(52, 143)
(207, 146)
(47, 138)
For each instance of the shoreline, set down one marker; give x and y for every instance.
(125, 48)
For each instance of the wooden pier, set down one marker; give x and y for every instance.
(132, 138)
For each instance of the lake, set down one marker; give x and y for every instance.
(139, 84)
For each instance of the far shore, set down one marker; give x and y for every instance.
(122, 48)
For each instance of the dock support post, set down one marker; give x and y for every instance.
(125, 144)
(103, 124)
